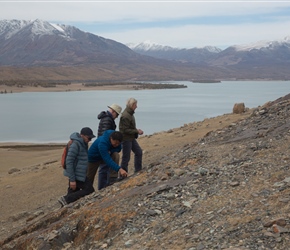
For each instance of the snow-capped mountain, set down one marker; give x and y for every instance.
(255, 54)
(35, 43)
(149, 46)
(263, 45)
(194, 55)
(262, 53)
(36, 27)
(38, 42)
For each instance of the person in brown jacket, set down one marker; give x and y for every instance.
(127, 127)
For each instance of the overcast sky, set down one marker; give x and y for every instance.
(182, 24)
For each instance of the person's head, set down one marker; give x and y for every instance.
(116, 138)
(132, 103)
(87, 134)
(115, 110)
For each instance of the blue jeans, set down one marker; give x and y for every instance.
(94, 166)
(104, 176)
(127, 147)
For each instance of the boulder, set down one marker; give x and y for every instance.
(239, 108)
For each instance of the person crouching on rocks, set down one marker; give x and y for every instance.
(100, 156)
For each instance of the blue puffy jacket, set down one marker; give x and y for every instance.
(77, 159)
(101, 149)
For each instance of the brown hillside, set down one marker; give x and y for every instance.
(122, 71)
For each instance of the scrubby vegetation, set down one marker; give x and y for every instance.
(33, 83)
(139, 85)
(52, 84)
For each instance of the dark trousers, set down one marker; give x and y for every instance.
(82, 189)
(92, 170)
(127, 147)
(103, 176)
(108, 175)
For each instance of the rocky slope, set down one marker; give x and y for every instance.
(228, 190)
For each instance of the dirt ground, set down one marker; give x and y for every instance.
(31, 178)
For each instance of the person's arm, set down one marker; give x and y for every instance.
(71, 158)
(104, 150)
(123, 172)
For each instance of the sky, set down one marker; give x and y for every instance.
(179, 24)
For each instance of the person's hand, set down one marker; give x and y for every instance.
(73, 185)
(140, 132)
(123, 173)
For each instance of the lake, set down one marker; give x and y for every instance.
(53, 116)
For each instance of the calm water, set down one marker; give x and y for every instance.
(52, 117)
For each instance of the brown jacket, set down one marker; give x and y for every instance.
(127, 125)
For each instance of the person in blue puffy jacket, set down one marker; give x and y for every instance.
(76, 167)
(100, 156)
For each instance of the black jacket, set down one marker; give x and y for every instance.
(106, 122)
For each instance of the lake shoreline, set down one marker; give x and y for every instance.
(7, 89)
(17, 88)
(61, 88)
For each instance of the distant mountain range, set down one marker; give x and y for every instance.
(194, 55)
(260, 53)
(37, 49)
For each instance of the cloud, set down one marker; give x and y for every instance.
(202, 35)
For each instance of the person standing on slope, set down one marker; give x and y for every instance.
(107, 122)
(127, 126)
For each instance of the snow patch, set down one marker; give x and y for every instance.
(56, 26)
(263, 45)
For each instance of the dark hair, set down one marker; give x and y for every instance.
(117, 136)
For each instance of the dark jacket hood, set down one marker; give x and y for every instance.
(103, 114)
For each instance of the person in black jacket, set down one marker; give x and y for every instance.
(107, 122)
(107, 118)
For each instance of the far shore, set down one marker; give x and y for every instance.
(30, 145)
(5, 89)
(58, 87)
(62, 88)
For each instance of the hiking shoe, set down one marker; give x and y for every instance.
(62, 201)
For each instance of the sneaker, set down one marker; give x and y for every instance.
(62, 201)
